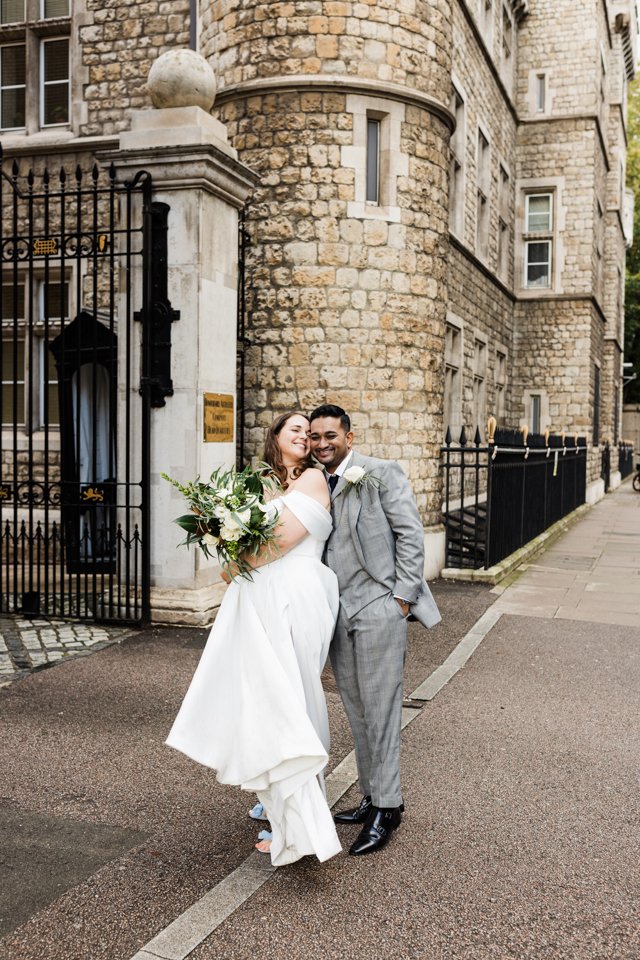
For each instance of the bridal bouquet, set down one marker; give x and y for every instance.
(229, 516)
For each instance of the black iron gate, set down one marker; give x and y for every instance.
(75, 401)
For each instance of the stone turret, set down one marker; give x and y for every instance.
(347, 289)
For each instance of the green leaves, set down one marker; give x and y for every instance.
(229, 519)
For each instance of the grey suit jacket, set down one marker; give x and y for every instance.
(387, 534)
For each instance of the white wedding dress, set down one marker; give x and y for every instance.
(255, 711)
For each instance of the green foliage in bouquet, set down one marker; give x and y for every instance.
(230, 519)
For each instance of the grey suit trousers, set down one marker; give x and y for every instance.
(367, 655)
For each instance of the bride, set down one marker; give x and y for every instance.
(255, 711)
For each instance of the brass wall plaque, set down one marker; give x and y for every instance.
(218, 418)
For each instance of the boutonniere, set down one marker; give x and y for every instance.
(357, 477)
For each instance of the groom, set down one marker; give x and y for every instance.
(377, 553)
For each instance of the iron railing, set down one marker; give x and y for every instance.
(78, 380)
(501, 494)
(625, 459)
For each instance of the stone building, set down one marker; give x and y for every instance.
(438, 231)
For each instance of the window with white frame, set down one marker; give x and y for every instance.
(596, 404)
(483, 181)
(535, 412)
(12, 86)
(35, 78)
(26, 334)
(541, 92)
(373, 161)
(501, 385)
(538, 244)
(12, 11)
(456, 180)
(504, 222)
(453, 379)
(479, 383)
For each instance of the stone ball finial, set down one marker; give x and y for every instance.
(181, 78)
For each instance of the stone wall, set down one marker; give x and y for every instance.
(119, 41)
(343, 308)
(407, 43)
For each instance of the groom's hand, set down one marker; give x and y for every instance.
(403, 606)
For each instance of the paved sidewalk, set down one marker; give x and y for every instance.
(519, 840)
(30, 644)
(591, 573)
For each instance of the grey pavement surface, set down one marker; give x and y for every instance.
(520, 838)
(31, 644)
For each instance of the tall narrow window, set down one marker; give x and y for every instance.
(12, 11)
(541, 93)
(483, 190)
(12, 86)
(599, 248)
(507, 47)
(501, 385)
(55, 82)
(535, 412)
(479, 382)
(373, 161)
(596, 404)
(486, 21)
(539, 221)
(452, 379)
(456, 179)
(504, 221)
(12, 382)
(49, 407)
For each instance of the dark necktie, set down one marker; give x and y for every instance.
(332, 482)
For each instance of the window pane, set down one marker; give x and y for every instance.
(13, 65)
(373, 150)
(538, 264)
(56, 103)
(535, 414)
(539, 214)
(538, 275)
(55, 8)
(12, 107)
(8, 380)
(11, 11)
(52, 414)
(12, 306)
(56, 60)
(52, 300)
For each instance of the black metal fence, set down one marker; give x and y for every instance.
(625, 459)
(502, 494)
(75, 315)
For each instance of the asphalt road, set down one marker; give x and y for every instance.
(520, 837)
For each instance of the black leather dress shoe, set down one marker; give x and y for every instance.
(357, 814)
(377, 830)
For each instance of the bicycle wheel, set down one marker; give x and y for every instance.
(636, 482)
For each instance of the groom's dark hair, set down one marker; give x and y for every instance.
(332, 410)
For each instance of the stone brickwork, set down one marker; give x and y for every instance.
(119, 40)
(342, 308)
(407, 42)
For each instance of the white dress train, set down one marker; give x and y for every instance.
(255, 711)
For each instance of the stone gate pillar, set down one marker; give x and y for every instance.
(196, 173)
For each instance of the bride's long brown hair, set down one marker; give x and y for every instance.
(273, 454)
